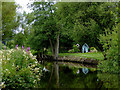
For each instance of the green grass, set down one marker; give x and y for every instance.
(97, 56)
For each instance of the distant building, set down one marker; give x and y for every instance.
(85, 48)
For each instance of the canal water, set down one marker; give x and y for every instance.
(75, 75)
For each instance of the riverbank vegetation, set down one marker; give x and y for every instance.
(57, 29)
(20, 69)
(97, 56)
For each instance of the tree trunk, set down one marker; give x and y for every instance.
(51, 76)
(52, 47)
(57, 47)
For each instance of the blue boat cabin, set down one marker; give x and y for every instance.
(85, 48)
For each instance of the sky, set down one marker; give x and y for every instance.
(23, 3)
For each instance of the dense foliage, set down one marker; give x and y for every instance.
(110, 46)
(75, 49)
(9, 20)
(20, 69)
(85, 24)
(109, 80)
(57, 27)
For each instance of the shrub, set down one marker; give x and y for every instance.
(93, 49)
(10, 44)
(110, 46)
(34, 52)
(112, 79)
(20, 69)
(71, 51)
(75, 49)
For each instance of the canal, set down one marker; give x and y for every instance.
(76, 75)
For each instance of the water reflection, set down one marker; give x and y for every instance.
(78, 72)
(46, 70)
(109, 80)
(55, 71)
(85, 70)
(75, 76)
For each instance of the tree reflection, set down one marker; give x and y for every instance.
(85, 70)
(62, 76)
(55, 71)
(70, 79)
(57, 74)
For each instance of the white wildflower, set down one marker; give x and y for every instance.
(34, 81)
(36, 70)
(13, 64)
(8, 59)
(31, 55)
(2, 84)
(1, 59)
(3, 56)
(36, 62)
(1, 52)
(6, 69)
(33, 66)
(38, 79)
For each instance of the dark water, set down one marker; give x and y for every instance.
(73, 75)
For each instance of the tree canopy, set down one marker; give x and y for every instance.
(9, 20)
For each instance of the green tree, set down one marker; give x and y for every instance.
(110, 42)
(110, 46)
(9, 20)
(22, 36)
(19, 39)
(46, 30)
(86, 23)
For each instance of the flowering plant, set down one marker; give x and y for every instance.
(16, 46)
(20, 69)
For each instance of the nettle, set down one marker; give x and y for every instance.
(20, 69)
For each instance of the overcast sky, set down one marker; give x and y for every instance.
(23, 3)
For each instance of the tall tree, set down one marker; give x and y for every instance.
(23, 31)
(9, 20)
(46, 30)
(87, 20)
(110, 41)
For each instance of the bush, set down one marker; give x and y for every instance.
(34, 52)
(20, 69)
(93, 49)
(71, 51)
(10, 44)
(109, 80)
(110, 46)
(75, 49)
(2, 46)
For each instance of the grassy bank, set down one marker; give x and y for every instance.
(98, 55)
